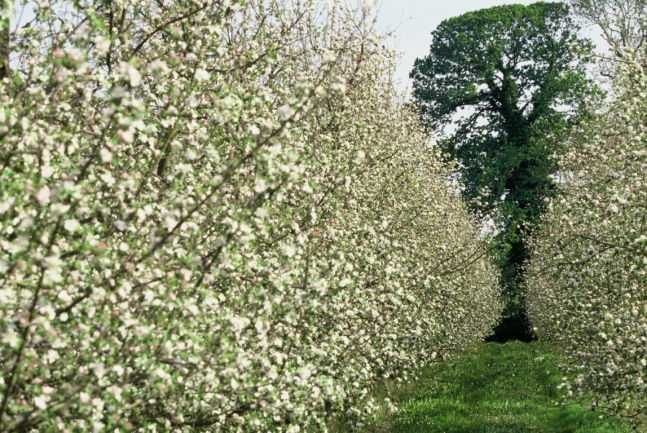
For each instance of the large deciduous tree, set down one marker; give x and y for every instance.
(498, 86)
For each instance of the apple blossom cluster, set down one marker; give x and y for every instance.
(217, 216)
(587, 283)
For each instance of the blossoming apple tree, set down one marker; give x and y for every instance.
(589, 269)
(216, 216)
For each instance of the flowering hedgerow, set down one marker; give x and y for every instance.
(588, 279)
(215, 216)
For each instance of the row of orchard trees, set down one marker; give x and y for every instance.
(215, 215)
(587, 283)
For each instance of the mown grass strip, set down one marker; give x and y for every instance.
(497, 388)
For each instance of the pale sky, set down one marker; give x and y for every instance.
(414, 20)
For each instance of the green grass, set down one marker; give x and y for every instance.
(497, 388)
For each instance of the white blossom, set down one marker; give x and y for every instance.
(41, 402)
(43, 195)
(71, 225)
(130, 73)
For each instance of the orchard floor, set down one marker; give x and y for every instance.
(496, 388)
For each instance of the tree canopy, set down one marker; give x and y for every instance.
(498, 86)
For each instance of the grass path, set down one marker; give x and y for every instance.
(499, 388)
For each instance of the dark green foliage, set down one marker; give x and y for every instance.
(499, 87)
(4, 40)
